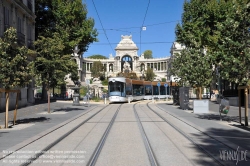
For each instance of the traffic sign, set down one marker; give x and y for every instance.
(166, 85)
(159, 84)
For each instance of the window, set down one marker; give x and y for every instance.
(6, 18)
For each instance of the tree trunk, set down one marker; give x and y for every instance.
(48, 92)
(7, 109)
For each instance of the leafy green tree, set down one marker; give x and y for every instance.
(148, 54)
(97, 69)
(149, 74)
(163, 79)
(69, 20)
(51, 65)
(15, 69)
(195, 64)
(98, 57)
(233, 56)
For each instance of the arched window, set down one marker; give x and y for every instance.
(126, 59)
(142, 67)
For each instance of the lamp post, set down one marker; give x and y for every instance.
(218, 74)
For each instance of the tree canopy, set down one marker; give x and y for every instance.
(15, 69)
(98, 57)
(61, 25)
(69, 19)
(220, 43)
(148, 54)
(149, 74)
(97, 69)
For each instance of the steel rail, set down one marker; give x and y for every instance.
(30, 160)
(186, 136)
(151, 155)
(99, 147)
(199, 130)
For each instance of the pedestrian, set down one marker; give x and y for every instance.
(66, 95)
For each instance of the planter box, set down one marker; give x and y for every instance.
(201, 106)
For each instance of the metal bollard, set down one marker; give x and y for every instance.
(105, 101)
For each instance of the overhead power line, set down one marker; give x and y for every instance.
(135, 42)
(143, 24)
(102, 25)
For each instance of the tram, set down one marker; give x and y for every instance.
(121, 89)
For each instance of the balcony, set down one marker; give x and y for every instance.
(20, 38)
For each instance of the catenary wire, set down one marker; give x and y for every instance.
(102, 26)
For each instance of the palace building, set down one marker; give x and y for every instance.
(125, 60)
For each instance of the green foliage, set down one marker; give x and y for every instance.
(163, 79)
(97, 57)
(15, 69)
(105, 82)
(83, 90)
(97, 69)
(149, 74)
(69, 19)
(51, 64)
(148, 54)
(222, 42)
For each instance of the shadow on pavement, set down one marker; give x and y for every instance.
(239, 138)
(32, 120)
(68, 109)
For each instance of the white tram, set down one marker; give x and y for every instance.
(122, 89)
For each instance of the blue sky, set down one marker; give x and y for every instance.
(126, 17)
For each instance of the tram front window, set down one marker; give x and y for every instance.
(116, 89)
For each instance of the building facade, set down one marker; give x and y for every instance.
(127, 59)
(19, 14)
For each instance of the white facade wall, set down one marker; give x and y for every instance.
(126, 47)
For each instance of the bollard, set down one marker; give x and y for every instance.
(105, 101)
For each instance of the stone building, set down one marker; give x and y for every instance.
(125, 60)
(19, 14)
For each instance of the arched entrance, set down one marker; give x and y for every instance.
(126, 64)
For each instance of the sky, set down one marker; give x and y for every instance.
(114, 18)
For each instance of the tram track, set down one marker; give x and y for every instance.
(74, 122)
(204, 133)
(101, 143)
(48, 147)
(184, 134)
(151, 155)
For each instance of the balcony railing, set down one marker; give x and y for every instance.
(20, 38)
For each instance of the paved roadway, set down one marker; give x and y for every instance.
(124, 144)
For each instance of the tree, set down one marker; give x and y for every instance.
(15, 70)
(97, 69)
(234, 58)
(68, 19)
(149, 74)
(148, 54)
(195, 64)
(97, 57)
(51, 65)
